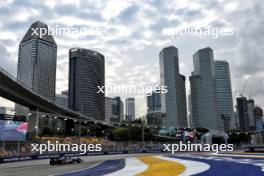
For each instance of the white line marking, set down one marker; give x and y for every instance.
(133, 167)
(236, 155)
(191, 167)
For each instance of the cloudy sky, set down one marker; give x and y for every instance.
(132, 35)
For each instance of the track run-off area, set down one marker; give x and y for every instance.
(183, 164)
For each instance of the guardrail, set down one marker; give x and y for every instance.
(255, 149)
(38, 157)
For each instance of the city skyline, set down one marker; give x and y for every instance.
(126, 48)
(134, 88)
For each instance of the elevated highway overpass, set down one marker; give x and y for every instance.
(19, 93)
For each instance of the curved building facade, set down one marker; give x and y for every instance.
(37, 62)
(86, 73)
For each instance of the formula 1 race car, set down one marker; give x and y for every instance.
(59, 160)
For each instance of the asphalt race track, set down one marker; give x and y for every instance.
(238, 164)
(42, 167)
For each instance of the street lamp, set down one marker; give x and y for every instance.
(143, 134)
(80, 127)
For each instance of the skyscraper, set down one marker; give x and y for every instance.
(224, 98)
(258, 113)
(190, 119)
(37, 57)
(203, 91)
(153, 102)
(242, 112)
(130, 109)
(114, 110)
(154, 114)
(251, 117)
(86, 73)
(173, 103)
(62, 99)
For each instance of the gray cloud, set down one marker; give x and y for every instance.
(132, 39)
(129, 15)
(7, 63)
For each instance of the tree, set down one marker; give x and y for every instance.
(121, 134)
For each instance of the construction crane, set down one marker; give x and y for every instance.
(242, 91)
(244, 87)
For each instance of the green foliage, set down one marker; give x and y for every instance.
(121, 134)
(133, 133)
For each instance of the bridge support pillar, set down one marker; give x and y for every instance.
(33, 124)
